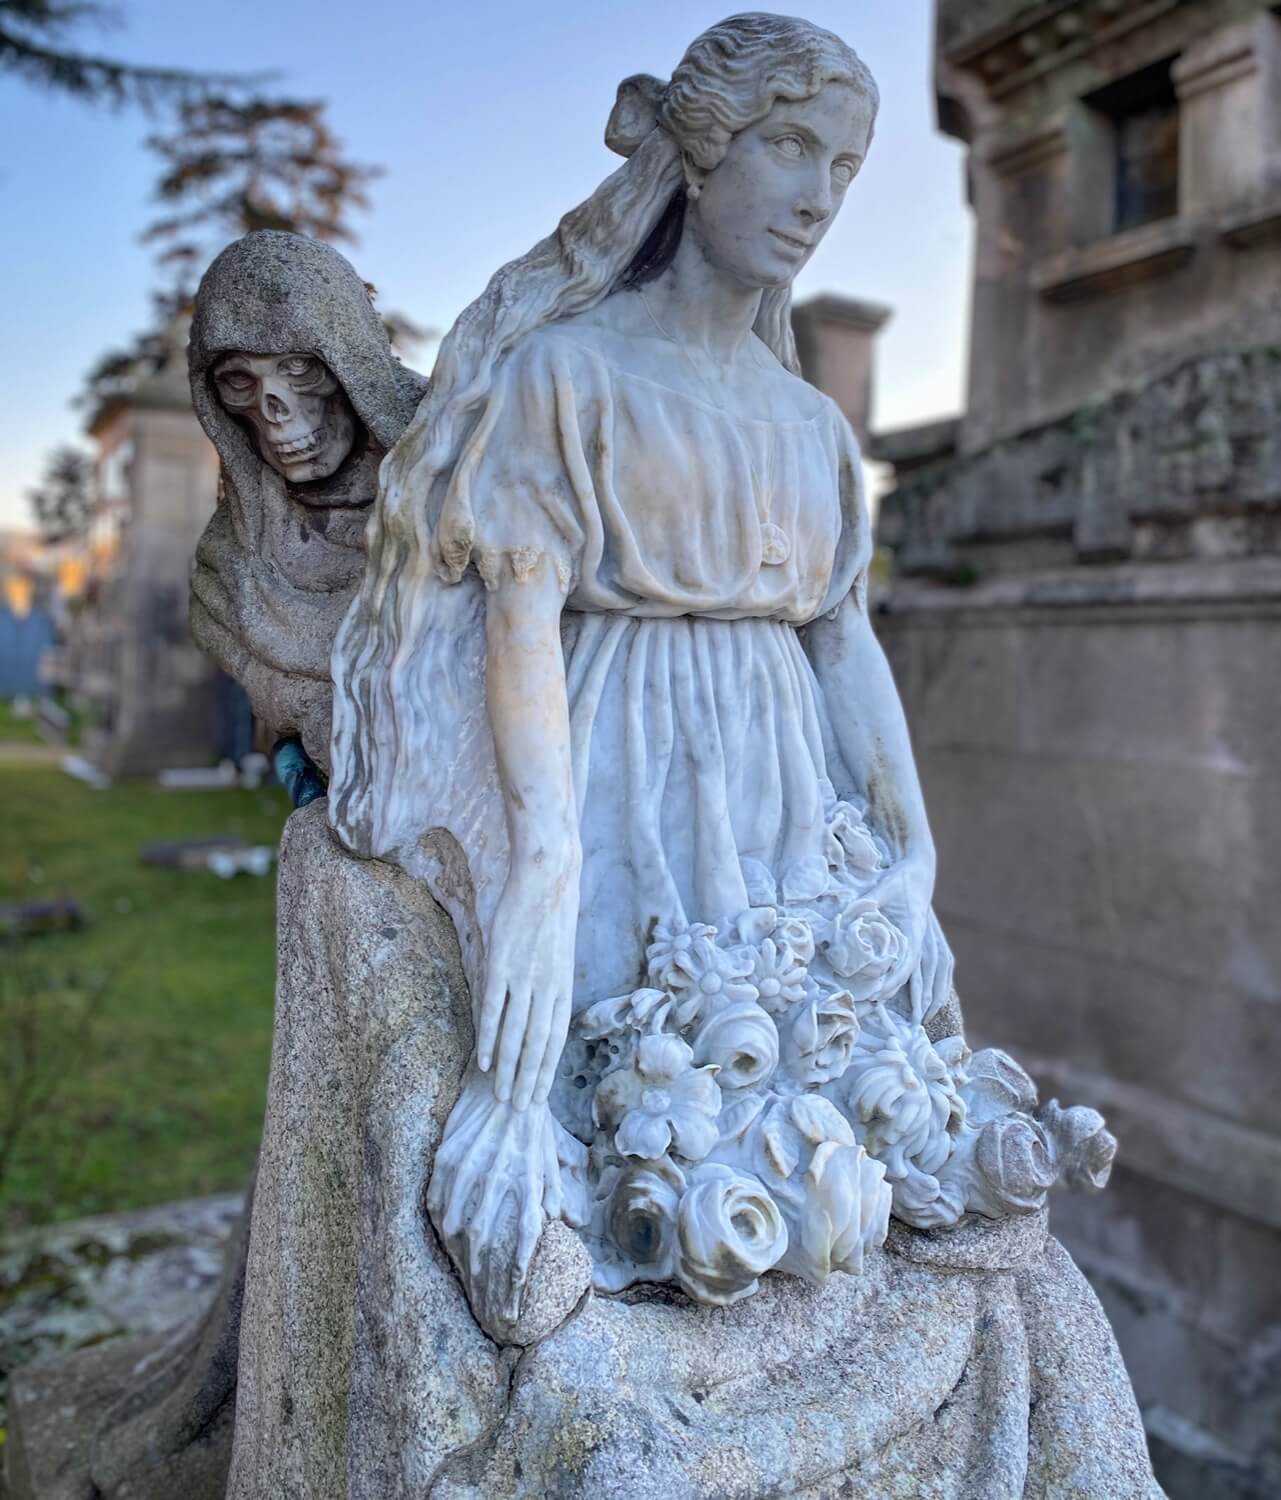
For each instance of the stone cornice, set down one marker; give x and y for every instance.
(1120, 260)
(1013, 44)
(1188, 465)
(1257, 223)
(1009, 155)
(1224, 58)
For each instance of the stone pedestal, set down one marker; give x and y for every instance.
(968, 1362)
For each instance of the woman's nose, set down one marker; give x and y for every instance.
(815, 205)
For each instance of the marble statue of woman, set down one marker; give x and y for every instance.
(611, 689)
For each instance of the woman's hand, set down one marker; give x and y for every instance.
(523, 1016)
(529, 980)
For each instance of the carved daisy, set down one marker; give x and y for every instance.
(703, 975)
(778, 975)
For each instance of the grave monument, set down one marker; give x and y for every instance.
(622, 1138)
(1084, 627)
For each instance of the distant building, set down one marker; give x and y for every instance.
(1086, 630)
(150, 695)
(836, 340)
(27, 629)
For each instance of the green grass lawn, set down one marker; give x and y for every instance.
(134, 1051)
(14, 730)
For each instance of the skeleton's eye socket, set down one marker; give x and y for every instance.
(300, 366)
(236, 380)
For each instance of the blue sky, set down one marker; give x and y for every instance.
(487, 116)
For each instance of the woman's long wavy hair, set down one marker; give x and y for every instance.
(729, 79)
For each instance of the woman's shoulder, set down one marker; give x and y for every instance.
(617, 337)
(566, 352)
(795, 395)
(606, 333)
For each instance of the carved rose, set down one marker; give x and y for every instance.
(729, 1233)
(659, 1103)
(846, 1212)
(901, 1091)
(820, 1042)
(857, 848)
(832, 1196)
(863, 946)
(640, 1219)
(796, 934)
(1016, 1161)
(1083, 1143)
(742, 1042)
(995, 1085)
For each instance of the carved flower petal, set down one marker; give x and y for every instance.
(693, 1135)
(662, 1058)
(805, 879)
(698, 1090)
(615, 1094)
(644, 1135)
(819, 1120)
(605, 1018)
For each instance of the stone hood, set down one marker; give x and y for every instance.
(271, 293)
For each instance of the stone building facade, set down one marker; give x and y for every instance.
(151, 696)
(1086, 630)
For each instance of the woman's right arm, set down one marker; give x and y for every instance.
(523, 1017)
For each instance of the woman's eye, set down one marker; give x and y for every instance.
(843, 172)
(791, 145)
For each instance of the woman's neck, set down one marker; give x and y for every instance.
(701, 305)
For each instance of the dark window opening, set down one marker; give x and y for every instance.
(1143, 111)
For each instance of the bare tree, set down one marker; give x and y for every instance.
(231, 167)
(33, 45)
(62, 502)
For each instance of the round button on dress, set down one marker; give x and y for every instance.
(776, 547)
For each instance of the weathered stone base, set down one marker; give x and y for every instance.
(975, 1363)
(116, 1286)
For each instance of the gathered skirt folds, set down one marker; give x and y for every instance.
(702, 780)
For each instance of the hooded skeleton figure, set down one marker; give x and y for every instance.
(294, 381)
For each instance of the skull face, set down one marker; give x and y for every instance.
(294, 405)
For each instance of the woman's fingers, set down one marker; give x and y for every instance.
(558, 1031)
(491, 1013)
(515, 1023)
(531, 1056)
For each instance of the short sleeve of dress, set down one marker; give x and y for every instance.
(854, 549)
(521, 484)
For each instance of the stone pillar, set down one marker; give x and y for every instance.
(836, 340)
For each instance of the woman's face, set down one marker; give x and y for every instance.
(762, 212)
